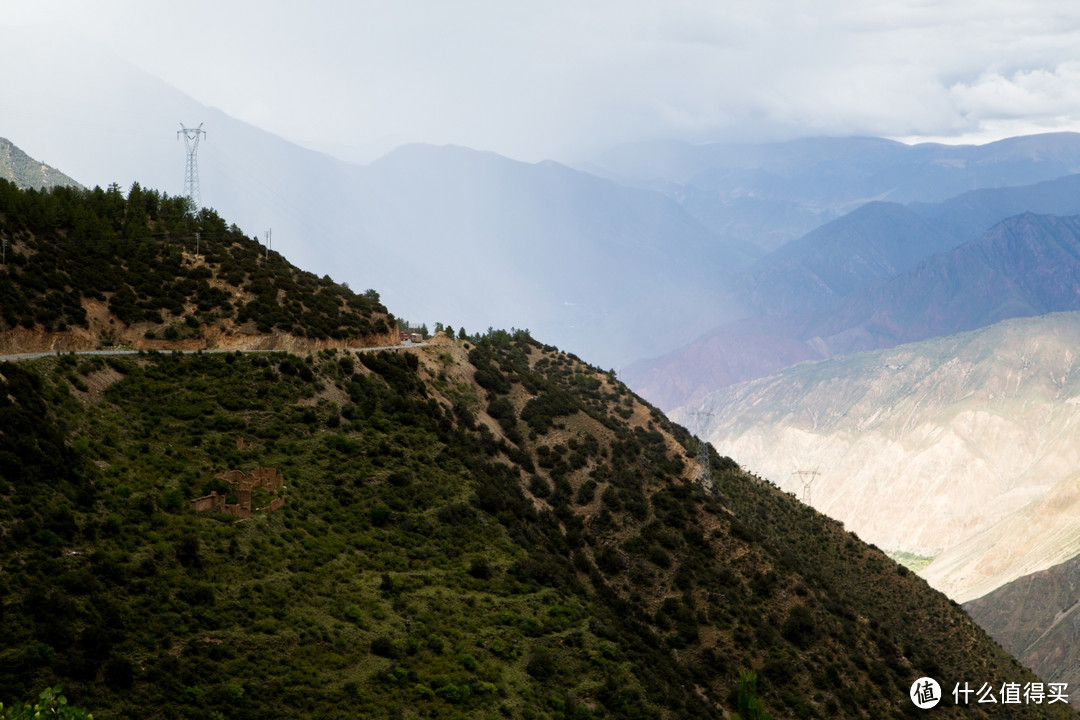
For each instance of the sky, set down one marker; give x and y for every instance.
(566, 79)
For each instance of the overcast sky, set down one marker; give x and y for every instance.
(565, 79)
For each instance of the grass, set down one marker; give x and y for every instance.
(911, 561)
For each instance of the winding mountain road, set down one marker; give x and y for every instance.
(34, 356)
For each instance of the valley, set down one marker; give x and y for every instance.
(960, 448)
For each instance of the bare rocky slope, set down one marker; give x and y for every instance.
(960, 448)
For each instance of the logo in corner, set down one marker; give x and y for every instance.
(925, 693)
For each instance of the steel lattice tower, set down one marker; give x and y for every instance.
(191, 174)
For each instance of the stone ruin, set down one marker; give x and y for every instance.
(243, 485)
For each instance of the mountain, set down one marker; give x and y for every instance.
(21, 169)
(1026, 265)
(880, 240)
(474, 526)
(968, 215)
(876, 241)
(772, 193)
(605, 269)
(958, 448)
(1035, 619)
(571, 256)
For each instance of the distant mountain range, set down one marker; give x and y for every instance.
(1025, 265)
(961, 448)
(769, 194)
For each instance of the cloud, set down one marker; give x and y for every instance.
(1035, 94)
(563, 79)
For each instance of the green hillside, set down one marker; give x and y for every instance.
(481, 527)
(26, 172)
(89, 267)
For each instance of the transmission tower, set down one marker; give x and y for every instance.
(191, 174)
(807, 477)
(703, 474)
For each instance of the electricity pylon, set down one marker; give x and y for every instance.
(191, 174)
(807, 477)
(703, 475)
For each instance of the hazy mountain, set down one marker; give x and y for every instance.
(606, 271)
(21, 169)
(968, 215)
(876, 241)
(961, 447)
(879, 240)
(1026, 265)
(1036, 619)
(771, 193)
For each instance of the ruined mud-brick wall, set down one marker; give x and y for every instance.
(265, 478)
(274, 504)
(213, 501)
(244, 484)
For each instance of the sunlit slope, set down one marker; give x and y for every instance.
(926, 447)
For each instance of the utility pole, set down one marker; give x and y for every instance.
(196, 244)
(191, 173)
(268, 232)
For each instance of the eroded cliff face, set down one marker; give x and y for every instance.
(105, 330)
(962, 448)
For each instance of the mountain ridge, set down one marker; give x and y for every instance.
(193, 282)
(981, 282)
(479, 525)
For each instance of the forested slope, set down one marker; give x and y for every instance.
(84, 268)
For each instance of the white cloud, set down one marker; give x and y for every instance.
(1035, 94)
